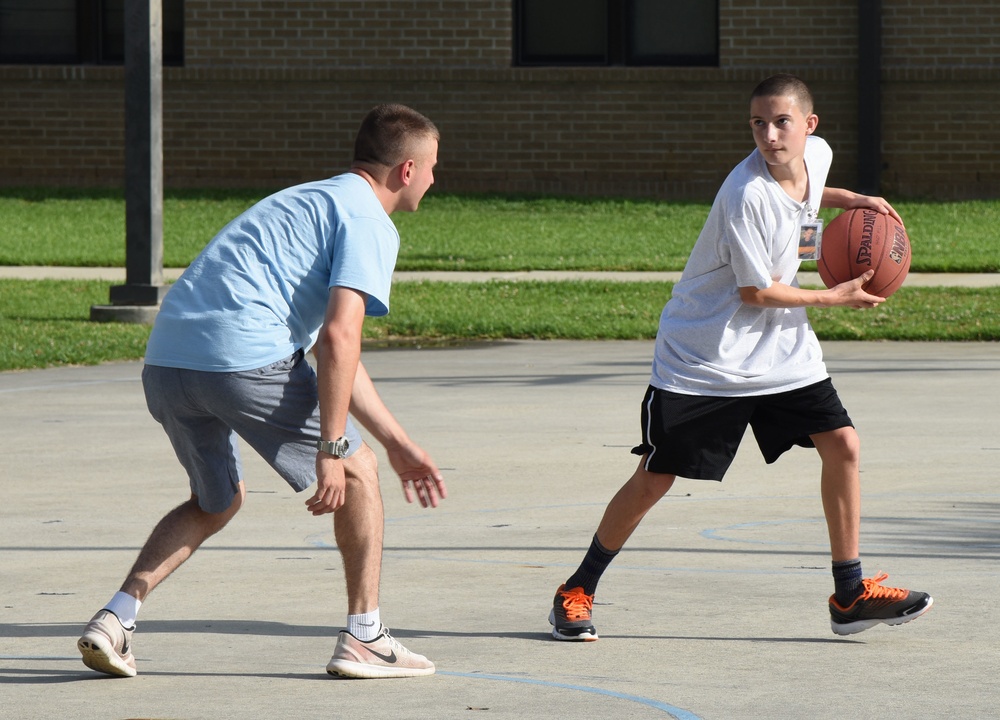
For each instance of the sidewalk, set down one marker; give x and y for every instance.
(805, 278)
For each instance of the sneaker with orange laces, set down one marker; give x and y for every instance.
(878, 604)
(570, 616)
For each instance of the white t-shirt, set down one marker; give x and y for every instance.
(709, 342)
(259, 290)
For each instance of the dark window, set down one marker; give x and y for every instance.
(616, 32)
(78, 32)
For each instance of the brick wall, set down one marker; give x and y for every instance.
(272, 92)
(941, 72)
(356, 33)
(955, 33)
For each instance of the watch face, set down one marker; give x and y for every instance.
(337, 448)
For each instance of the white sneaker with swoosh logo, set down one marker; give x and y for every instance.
(106, 646)
(383, 657)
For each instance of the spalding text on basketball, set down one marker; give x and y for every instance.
(867, 230)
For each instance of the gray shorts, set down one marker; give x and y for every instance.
(275, 409)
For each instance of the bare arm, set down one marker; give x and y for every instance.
(415, 468)
(840, 198)
(338, 351)
(779, 295)
(848, 294)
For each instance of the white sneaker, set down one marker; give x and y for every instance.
(383, 657)
(106, 646)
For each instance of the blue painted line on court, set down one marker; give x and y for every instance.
(676, 712)
(718, 533)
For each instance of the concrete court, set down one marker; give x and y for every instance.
(715, 610)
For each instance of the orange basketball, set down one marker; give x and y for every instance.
(860, 240)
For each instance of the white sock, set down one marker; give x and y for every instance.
(125, 607)
(364, 627)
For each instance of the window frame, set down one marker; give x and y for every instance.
(91, 47)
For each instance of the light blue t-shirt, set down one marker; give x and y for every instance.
(259, 290)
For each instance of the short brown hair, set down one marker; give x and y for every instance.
(782, 85)
(387, 133)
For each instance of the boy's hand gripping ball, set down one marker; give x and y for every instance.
(860, 240)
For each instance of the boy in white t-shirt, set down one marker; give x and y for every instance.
(299, 270)
(735, 348)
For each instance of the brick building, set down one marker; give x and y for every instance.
(265, 93)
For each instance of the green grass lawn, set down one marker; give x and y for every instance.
(451, 232)
(46, 323)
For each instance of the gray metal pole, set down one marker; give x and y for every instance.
(869, 96)
(137, 299)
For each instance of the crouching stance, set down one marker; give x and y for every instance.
(299, 270)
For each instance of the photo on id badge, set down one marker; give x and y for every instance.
(810, 240)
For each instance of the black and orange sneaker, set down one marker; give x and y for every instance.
(570, 616)
(878, 604)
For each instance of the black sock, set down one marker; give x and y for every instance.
(847, 581)
(595, 562)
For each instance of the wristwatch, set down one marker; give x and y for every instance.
(338, 448)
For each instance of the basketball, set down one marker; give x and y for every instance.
(860, 240)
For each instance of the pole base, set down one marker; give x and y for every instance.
(135, 314)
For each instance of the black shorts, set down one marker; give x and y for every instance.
(696, 436)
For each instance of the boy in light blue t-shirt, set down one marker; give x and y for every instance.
(299, 270)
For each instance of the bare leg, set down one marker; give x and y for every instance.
(174, 540)
(630, 504)
(357, 528)
(840, 451)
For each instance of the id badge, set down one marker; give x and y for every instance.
(810, 240)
